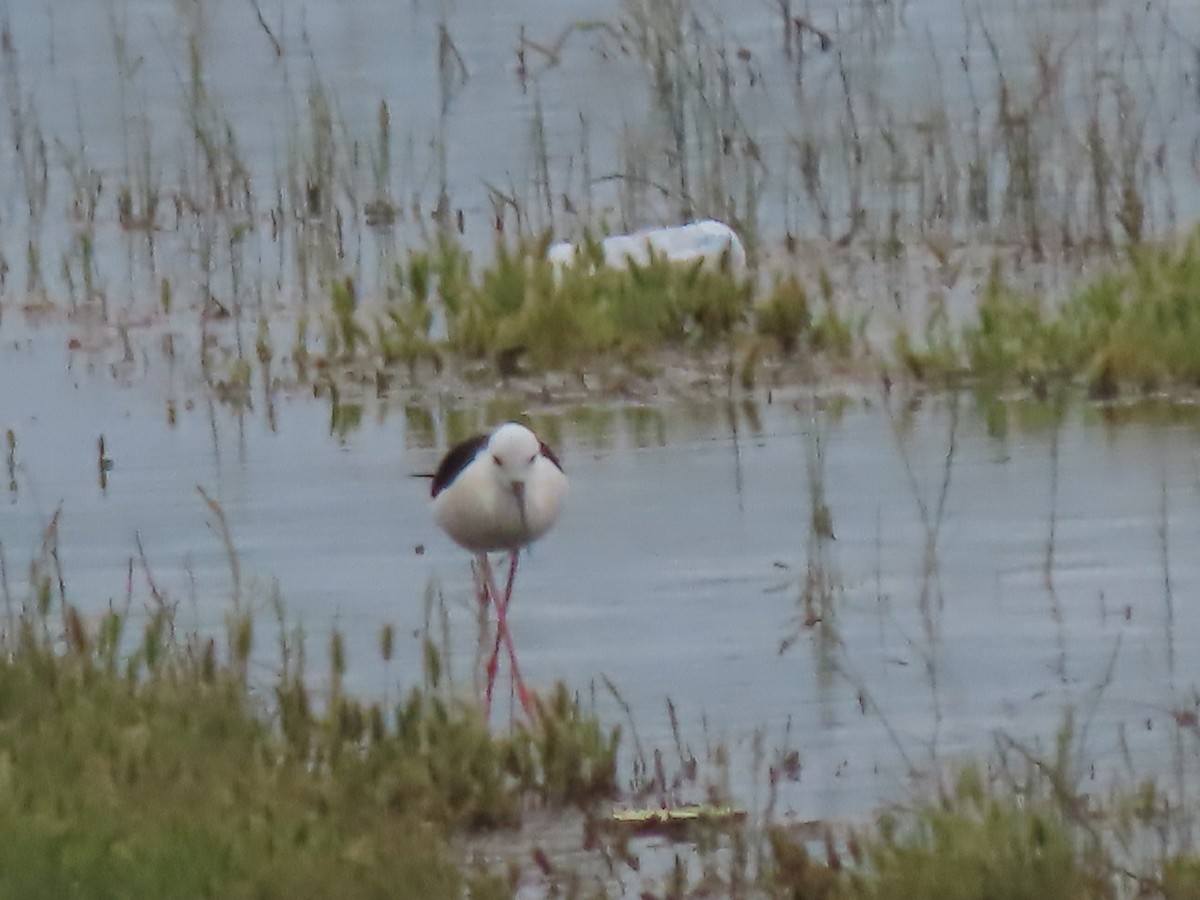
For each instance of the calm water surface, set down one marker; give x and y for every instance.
(677, 570)
(1059, 571)
(108, 88)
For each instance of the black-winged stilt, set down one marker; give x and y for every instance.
(499, 492)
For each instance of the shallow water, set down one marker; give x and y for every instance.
(677, 569)
(109, 88)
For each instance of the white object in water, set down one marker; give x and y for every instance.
(706, 239)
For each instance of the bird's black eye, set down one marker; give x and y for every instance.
(533, 459)
(496, 460)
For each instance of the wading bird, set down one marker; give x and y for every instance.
(499, 492)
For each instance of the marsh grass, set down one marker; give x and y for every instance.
(697, 79)
(1037, 816)
(520, 316)
(1132, 330)
(30, 148)
(314, 229)
(138, 758)
(152, 775)
(1013, 823)
(521, 313)
(793, 325)
(980, 840)
(1015, 826)
(1057, 152)
(1129, 331)
(148, 763)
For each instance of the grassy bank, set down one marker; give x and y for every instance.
(1124, 330)
(161, 774)
(520, 315)
(1129, 332)
(138, 760)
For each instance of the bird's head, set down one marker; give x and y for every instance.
(512, 452)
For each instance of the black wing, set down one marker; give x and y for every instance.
(456, 459)
(549, 454)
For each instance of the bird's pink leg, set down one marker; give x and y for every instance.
(502, 634)
(502, 607)
(490, 591)
(481, 570)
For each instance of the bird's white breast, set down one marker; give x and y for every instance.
(544, 496)
(482, 515)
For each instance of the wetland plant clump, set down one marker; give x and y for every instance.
(998, 832)
(1130, 331)
(151, 765)
(151, 775)
(522, 314)
(1027, 144)
(978, 841)
(524, 310)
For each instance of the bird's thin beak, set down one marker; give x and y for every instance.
(518, 489)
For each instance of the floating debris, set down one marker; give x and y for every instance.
(673, 823)
(104, 463)
(713, 242)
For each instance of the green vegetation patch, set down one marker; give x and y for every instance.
(167, 787)
(979, 840)
(523, 314)
(1136, 329)
(979, 843)
(524, 308)
(156, 773)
